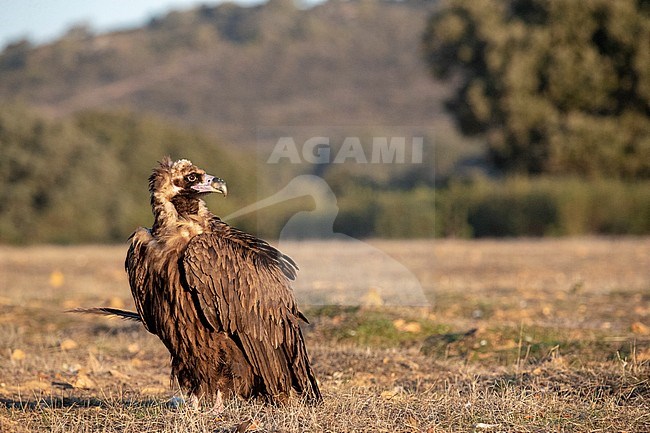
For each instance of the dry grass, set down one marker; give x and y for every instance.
(560, 343)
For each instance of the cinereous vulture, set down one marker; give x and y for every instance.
(219, 299)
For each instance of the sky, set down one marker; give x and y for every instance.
(45, 20)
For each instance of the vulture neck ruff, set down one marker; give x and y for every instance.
(176, 211)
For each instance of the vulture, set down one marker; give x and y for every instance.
(219, 299)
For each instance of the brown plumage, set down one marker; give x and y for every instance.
(218, 298)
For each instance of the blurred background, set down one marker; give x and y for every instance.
(540, 112)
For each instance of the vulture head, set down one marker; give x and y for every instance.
(182, 184)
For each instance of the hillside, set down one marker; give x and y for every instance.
(84, 178)
(232, 69)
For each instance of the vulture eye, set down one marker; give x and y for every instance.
(191, 177)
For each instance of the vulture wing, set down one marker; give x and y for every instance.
(241, 286)
(140, 277)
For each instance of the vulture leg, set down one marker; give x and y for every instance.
(194, 403)
(218, 407)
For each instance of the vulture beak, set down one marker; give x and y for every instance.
(211, 184)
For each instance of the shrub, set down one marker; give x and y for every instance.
(544, 206)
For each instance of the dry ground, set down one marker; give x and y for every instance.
(521, 335)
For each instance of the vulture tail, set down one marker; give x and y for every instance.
(107, 311)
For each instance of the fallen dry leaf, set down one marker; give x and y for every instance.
(643, 355)
(250, 425)
(483, 425)
(18, 355)
(118, 374)
(393, 393)
(57, 279)
(116, 302)
(83, 381)
(372, 298)
(68, 344)
(412, 327)
(404, 326)
(640, 328)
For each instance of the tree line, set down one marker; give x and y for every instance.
(555, 86)
(557, 90)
